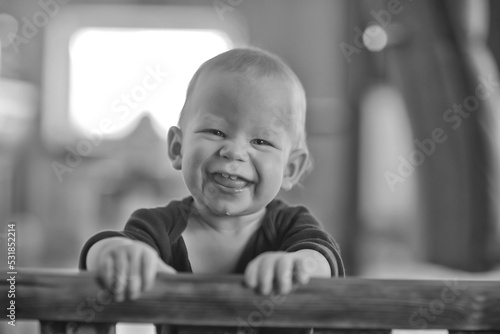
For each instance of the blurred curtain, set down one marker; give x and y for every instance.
(437, 56)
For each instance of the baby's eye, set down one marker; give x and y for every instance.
(216, 132)
(261, 142)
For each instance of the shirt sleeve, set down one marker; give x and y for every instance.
(82, 262)
(144, 225)
(302, 231)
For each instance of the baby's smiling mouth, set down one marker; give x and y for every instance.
(233, 182)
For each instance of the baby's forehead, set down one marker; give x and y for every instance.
(216, 91)
(273, 119)
(248, 79)
(232, 90)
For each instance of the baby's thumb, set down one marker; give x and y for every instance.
(165, 268)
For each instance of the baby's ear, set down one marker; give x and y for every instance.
(175, 147)
(296, 166)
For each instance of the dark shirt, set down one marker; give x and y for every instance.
(284, 228)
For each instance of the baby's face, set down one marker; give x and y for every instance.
(236, 142)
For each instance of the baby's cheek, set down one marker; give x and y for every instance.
(271, 173)
(192, 168)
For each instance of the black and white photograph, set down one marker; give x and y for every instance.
(249, 166)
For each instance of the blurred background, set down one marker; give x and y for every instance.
(403, 125)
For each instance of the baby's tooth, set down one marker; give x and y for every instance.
(232, 177)
(225, 175)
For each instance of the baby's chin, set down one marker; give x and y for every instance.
(226, 209)
(220, 208)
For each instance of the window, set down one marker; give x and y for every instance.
(116, 75)
(107, 65)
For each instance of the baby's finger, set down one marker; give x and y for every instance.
(120, 277)
(301, 272)
(165, 268)
(105, 271)
(283, 275)
(149, 269)
(134, 277)
(265, 275)
(251, 274)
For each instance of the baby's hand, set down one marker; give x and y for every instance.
(281, 270)
(127, 267)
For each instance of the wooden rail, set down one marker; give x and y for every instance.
(215, 303)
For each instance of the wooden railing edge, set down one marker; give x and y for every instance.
(204, 300)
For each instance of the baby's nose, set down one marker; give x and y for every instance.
(235, 150)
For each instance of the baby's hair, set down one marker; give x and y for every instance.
(253, 64)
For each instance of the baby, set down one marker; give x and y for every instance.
(240, 139)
